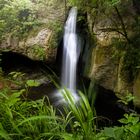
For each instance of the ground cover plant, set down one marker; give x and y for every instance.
(25, 119)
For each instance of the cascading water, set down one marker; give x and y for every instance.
(70, 57)
(70, 52)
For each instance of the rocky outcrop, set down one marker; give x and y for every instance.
(41, 41)
(34, 47)
(112, 30)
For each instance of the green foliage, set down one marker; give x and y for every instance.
(82, 113)
(127, 98)
(27, 119)
(113, 2)
(57, 35)
(21, 118)
(131, 62)
(55, 26)
(15, 75)
(17, 17)
(129, 53)
(35, 120)
(38, 120)
(32, 83)
(131, 119)
(132, 124)
(38, 51)
(130, 130)
(86, 5)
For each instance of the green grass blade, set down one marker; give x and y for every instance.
(35, 118)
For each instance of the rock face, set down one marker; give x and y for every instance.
(108, 64)
(136, 90)
(41, 42)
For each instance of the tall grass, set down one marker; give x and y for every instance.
(82, 113)
(35, 120)
(27, 119)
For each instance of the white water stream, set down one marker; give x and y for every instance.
(70, 57)
(70, 52)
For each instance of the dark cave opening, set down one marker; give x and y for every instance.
(108, 110)
(12, 61)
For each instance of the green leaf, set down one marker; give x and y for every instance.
(32, 83)
(114, 2)
(135, 129)
(124, 121)
(118, 132)
(66, 136)
(3, 133)
(16, 74)
(131, 119)
(109, 132)
(14, 98)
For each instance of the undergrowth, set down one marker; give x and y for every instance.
(23, 119)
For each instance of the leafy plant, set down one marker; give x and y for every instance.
(39, 51)
(127, 98)
(21, 118)
(15, 75)
(128, 131)
(35, 120)
(32, 83)
(82, 112)
(27, 119)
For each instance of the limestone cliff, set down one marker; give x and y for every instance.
(114, 60)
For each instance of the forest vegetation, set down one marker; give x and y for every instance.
(25, 119)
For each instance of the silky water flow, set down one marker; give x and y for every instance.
(70, 56)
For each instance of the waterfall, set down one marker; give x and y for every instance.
(70, 52)
(70, 58)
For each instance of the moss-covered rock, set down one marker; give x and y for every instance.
(42, 39)
(116, 55)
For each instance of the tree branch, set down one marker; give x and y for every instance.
(122, 24)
